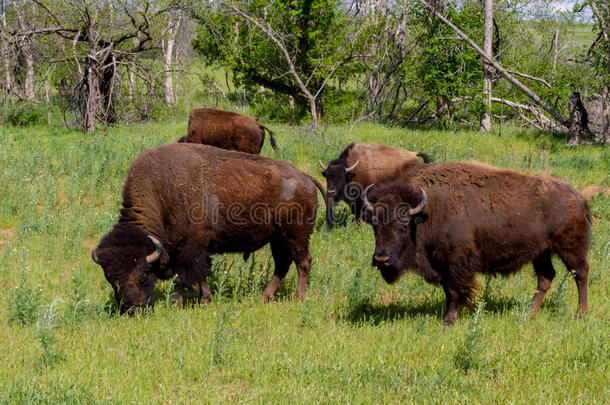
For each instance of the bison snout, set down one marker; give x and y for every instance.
(382, 259)
(332, 192)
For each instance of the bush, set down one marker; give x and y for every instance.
(23, 114)
(23, 304)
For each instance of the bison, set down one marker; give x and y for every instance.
(226, 130)
(183, 203)
(360, 165)
(449, 221)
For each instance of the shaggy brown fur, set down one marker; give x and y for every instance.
(199, 200)
(479, 219)
(227, 130)
(376, 163)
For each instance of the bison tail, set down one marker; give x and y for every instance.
(424, 157)
(271, 138)
(330, 212)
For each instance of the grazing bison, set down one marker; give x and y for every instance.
(449, 221)
(360, 165)
(226, 130)
(183, 203)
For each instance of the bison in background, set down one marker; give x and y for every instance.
(226, 130)
(450, 221)
(183, 203)
(360, 165)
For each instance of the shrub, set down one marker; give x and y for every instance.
(23, 304)
(23, 114)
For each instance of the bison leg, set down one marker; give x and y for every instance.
(282, 259)
(303, 261)
(452, 305)
(543, 266)
(580, 267)
(581, 276)
(205, 294)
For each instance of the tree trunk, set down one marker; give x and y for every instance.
(579, 121)
(27, 50)
(314, 111)
(92, 100)
(168, 65)
(485, 125)
(29, 70)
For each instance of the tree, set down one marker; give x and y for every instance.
(290, 47)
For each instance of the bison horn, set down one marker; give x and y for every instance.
(349, 169)
(367, 205)
(94, 254)
(421, 205)
(154, 256)
(322, 165)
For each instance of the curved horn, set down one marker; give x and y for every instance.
(349, 169)
(367, 205)
(420, 207)
(154, 256)
(322, 165)
(94, 254)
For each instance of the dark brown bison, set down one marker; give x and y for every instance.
(183, 203)
(226, 130)
(449, 221)
(360, 165)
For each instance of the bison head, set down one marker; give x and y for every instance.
(393, 215)
(130, 260)
(338, 175)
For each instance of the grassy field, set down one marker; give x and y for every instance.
(353, 340)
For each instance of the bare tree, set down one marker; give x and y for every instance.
(98, 37)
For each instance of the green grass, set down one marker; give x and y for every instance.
(354, 340)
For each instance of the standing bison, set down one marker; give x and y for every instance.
(183, 203)
(360, 165)
(450, 221)
(226, 130)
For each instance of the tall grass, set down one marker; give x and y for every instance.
(354, 340)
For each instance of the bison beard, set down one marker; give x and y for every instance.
(183, 203)
(478, 219)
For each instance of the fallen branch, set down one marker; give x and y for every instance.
(530, 77)
(544, 122)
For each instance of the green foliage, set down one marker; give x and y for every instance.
(22, 114)
(46, 336)
(312, 31)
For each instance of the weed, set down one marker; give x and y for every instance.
(23, 303)
(468, 355)
(46, 336)
(222, 336)
(557, 299)
(76, 309)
